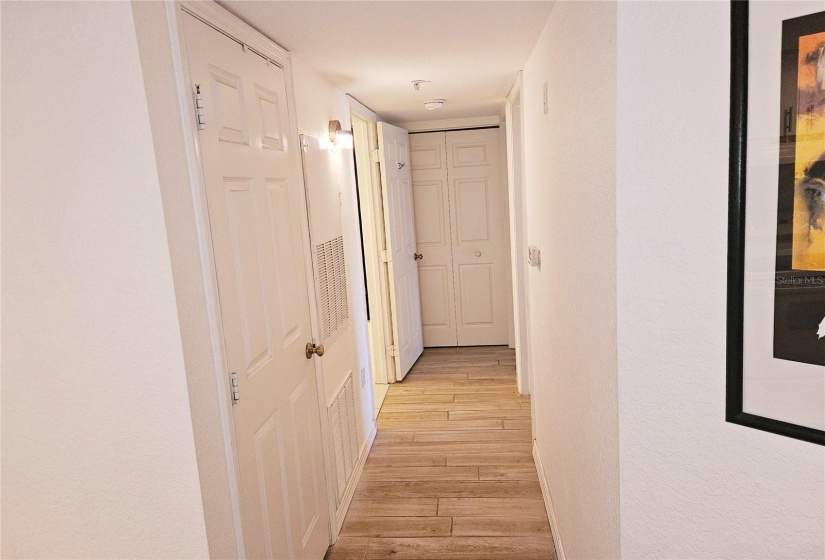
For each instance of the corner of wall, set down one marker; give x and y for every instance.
(570, 178)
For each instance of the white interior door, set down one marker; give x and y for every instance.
(463, 235)
(431, 195)
(481, 240)
(394, 156)
(254, 203)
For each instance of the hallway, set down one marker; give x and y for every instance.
(451, 472)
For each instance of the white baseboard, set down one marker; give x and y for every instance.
(548, 503)
(341, 514)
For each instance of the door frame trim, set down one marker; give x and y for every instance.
(225, 22)
(518, 241)
(374, 238)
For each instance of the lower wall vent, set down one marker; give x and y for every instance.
(341, 415)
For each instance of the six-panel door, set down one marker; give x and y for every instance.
(405, 296)
(461, 227)
(254, 211)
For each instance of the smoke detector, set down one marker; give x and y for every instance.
(434, 104)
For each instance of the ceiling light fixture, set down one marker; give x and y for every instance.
(434, 104)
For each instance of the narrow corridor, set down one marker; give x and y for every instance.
(451, 472)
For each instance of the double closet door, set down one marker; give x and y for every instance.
(462, 236)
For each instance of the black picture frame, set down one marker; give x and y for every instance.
(736, 240)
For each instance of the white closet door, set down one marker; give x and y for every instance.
(254, 201)
(405, 299)
(480, 237)
(462, 232)
(428, 160)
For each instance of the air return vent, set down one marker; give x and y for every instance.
(341, 415)
(332, 285)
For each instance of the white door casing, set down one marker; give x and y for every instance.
(428, 163)
(365, 137)
(252, 195)
(518, 237)
(465, 280)
(396, 185)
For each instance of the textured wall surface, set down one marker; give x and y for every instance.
(570, 183)
(97, 445)
(692, 485)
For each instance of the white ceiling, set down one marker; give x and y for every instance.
(469, 51)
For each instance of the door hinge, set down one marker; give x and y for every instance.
(392, 350)
(233, 386)
(199, 117)
(376, 155)
(384, 256)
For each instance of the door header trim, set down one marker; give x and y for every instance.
(454, 129)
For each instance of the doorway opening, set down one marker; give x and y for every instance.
(462, 236)
(373, 239)
(464, 246)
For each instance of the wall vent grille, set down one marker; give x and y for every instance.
(332, 285)
(341, 415)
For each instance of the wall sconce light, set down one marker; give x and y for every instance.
(339, 138)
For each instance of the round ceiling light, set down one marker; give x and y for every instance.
(434, 104)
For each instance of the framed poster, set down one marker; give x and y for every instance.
(776, 237)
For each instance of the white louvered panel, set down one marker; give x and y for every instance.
(332, 310)
(334, 413)
(332, 285)
(334, 267)
(351, 433)
(341, 279)
(341, 415)
(323, 287)
(346, 424)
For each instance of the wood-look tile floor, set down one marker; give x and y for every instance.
(451, 472)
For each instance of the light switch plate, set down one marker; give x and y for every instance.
(546, 103)
(534, 256)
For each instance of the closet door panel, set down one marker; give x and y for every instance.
(480, 237)
(428, 161)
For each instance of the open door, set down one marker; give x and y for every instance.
(394, 157)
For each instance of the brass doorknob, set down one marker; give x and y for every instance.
(313, 348)
(418, 256)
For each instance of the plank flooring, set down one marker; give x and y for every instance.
(451, 472)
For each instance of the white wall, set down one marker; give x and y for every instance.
(317, 103)
(97, 443)
(692, 485)
(570, 196)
